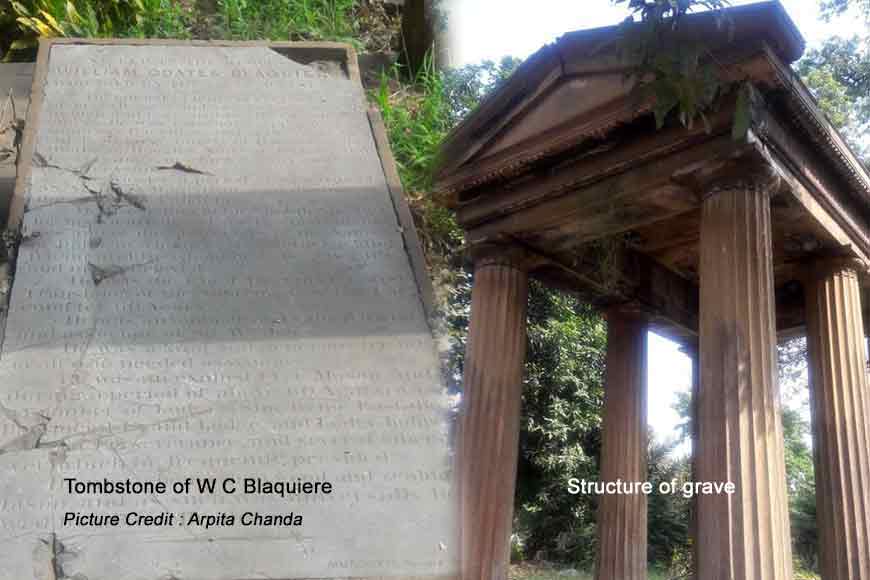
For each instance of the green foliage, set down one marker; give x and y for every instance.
(668, 514)
(418, 116)
(802, 490)
(833, 97)
(466, 87)
(800, 477)
(669, 11)
(832, 8)
(162, 19)
(25, 21)
(560, 437)
(683, 406)
(287, 19)
(793, 381)
(838, 74)
(683, 81)
(22, 22)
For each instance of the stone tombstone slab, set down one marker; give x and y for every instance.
(213, 281)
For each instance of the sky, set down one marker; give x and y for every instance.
(490, 29)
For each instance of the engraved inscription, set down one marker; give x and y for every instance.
(214, 284)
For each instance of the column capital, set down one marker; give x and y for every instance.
(821, 267)
(507, 254)
(755, 176)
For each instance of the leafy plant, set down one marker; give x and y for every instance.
(832, 8)
(838, 74)
(418, 115)
(465, 87)
(23, 22)
(668, 514)
(28, 20)
(83, 18)
(683, 79)
(560, 434)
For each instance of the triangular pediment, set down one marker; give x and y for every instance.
(579, 88)
(574, 98)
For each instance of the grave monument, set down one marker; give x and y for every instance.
(218, 324)
(727, 236)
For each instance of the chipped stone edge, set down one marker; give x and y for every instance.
(403, 212)
(435, 317)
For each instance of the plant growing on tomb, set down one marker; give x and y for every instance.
(683, 79)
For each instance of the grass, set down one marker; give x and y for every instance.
(417, 118)
(362, 23)
(163, 19)
(283, 19)
(542, 572)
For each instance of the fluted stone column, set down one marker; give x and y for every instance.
(622, 519)
(489, 424)
(841, 419)
(744, 536)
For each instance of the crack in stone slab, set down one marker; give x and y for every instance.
(49, 556)
(108, 206)
(28, 441)
(40, 161)
(100, 274)
(34, 427)
(123, 196)
(179, 166)
(76, 440)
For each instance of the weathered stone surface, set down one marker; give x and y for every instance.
(622, 519)
(745, 534)
(212, 282)
(489, 424)
(841, 409)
